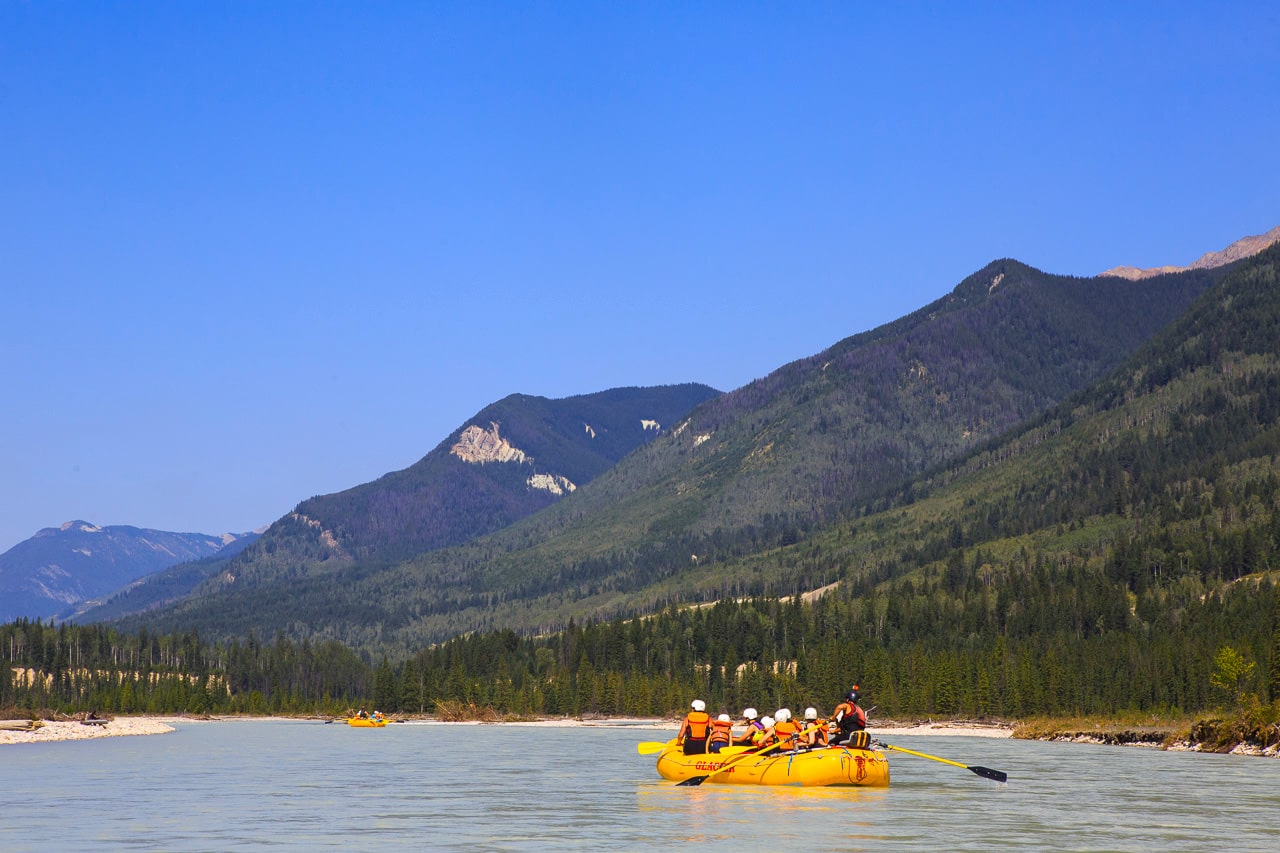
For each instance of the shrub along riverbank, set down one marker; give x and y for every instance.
(1253, 729)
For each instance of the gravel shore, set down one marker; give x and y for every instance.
(123, 726)
(73, 730)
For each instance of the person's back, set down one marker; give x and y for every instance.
(721, 733)
(764, 737)
(786, 730)
(695, 728)
(751, 722)
(849, 717)
(814, 733)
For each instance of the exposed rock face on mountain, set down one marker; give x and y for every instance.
(477, 444)
(515, 457)
(62, 566)
(1240, 249)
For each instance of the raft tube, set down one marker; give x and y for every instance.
(835, 765)
(362, 723)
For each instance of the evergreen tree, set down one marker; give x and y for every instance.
(385, 690)
(1273, 680)
(411, 695)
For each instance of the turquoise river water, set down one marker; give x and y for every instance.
(284, 785)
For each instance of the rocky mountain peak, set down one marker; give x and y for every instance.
(1246, 247)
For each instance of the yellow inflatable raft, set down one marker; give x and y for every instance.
(366, 722)
(836, 765)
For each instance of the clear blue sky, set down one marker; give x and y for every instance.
(253, 252)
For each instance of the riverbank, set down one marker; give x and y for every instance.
(1179, 735)
(1238, 735)
(951, 728)
(146, 725)
(60, 730)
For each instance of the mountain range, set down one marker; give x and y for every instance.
(1245, 247)
(60, 567)
(768, 469)
(511, 459)
(1117, 551)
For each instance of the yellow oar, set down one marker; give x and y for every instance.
(984, 772)
(648, 747)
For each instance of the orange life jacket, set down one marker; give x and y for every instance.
(818, 735)
(786, 728)
(697, 723)
(721, 731)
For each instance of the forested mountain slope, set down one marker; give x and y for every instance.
(510, 459)
(824, 439)
(1119, 553)
(152, 591)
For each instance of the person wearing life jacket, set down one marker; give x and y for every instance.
(849, 717)
(751, 722)
(695, 728)
(721, 733)
(763, 736)
(786, 729)
(814, 734)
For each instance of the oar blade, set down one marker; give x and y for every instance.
(988, 773)
(693, 781)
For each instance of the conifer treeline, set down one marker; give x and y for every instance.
(1016, 639)
(73, 668)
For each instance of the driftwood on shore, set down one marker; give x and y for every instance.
(20, 725)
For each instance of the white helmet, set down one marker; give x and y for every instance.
(782, 715)
(724, 718)
(811, 713)
(750, 714)
(699, 705)
(766, 721)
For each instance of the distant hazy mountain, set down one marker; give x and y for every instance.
(61, 566)
(154, 590)
(1246, 247)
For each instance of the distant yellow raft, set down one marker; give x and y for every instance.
(828, 766)
(365, 723)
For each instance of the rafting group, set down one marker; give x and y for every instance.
(699, 734)
(365, 720)
(779, 750)
(774, 750)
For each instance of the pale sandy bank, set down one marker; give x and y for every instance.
(119, 727)
(947, 729)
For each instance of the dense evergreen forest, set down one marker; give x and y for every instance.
(72, 668)
(1060, 638)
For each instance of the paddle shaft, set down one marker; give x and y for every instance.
(984, 772)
